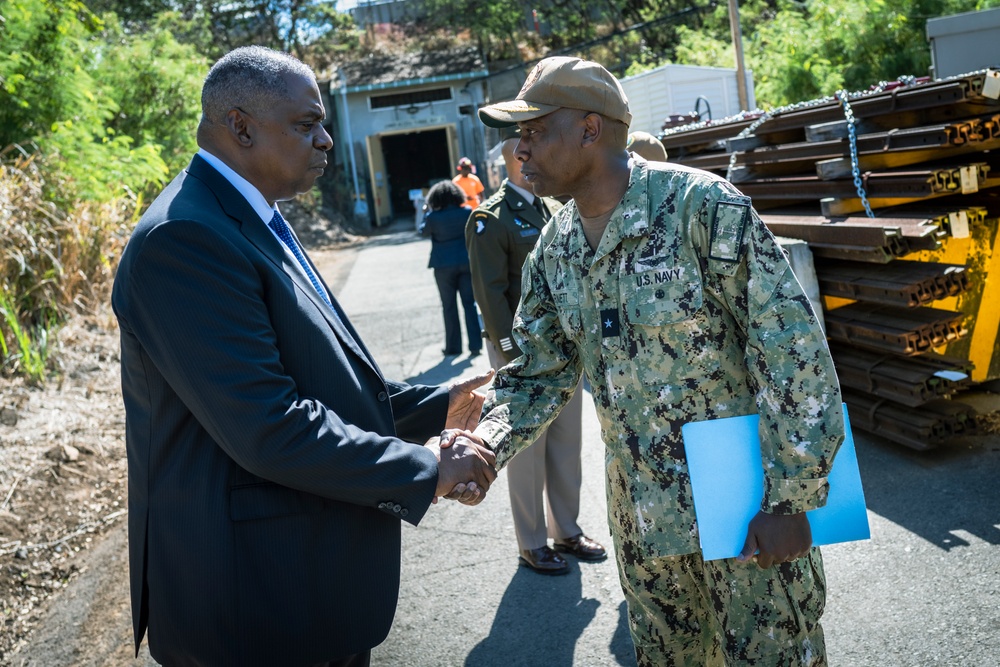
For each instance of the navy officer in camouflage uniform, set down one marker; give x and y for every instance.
(543, 481)
(661, 284)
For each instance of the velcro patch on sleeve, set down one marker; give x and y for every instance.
(729, 223)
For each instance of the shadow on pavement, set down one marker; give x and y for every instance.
(539, 622)
(621, 642)
(443, 371)
(934, 493)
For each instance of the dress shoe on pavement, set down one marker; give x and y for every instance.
(544, 560)
(582, 547)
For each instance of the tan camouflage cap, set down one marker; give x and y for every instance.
(560, 82)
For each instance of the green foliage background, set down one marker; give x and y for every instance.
(99, 99)
(800, 51)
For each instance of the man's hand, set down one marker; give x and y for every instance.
(465, 404)
(776, 539)
(465, 468)
(463, 493)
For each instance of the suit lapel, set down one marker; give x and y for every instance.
(254, 229)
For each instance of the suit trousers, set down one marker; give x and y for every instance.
(544, 479)
(452, 280)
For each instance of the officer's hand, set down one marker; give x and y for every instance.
(776, 539)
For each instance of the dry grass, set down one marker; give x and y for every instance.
(54, 262)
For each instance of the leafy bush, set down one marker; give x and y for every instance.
(154, 84)
(94, 120)
(113, 112)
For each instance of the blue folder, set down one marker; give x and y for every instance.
(727, 479)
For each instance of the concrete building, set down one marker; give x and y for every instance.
(401, 123)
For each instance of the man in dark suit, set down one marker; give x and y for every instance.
(270, 463)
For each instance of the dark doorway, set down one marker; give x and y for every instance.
(412, 161)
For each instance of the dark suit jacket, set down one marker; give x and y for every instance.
(267, 474)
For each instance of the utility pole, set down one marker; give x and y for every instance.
(741, 72)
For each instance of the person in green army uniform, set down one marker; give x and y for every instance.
(662, 285)
(499, 235)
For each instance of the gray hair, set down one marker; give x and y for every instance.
(251, 78)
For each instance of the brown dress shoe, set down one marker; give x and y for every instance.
(544, 560)
(582, 547)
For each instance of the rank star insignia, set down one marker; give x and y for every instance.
(610, 326)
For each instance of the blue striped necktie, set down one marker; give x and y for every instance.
(285, 234)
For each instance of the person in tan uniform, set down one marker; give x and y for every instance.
(544, 480)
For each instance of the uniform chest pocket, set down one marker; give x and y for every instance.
(671, 333)
(523, 242)
(570, 316)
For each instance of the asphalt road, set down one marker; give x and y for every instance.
(923, 591)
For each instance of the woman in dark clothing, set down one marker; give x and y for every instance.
(445, 224)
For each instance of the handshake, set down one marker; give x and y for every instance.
(465, 467)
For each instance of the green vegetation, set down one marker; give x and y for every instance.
(800, 51)
(99, 99)
(93, 120)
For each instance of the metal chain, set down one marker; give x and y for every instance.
(745, 132)
(852, 135)
(762, 118)
(841, 96)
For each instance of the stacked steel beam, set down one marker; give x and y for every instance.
(925, 160)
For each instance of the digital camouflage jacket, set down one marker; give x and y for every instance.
(687, 311)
